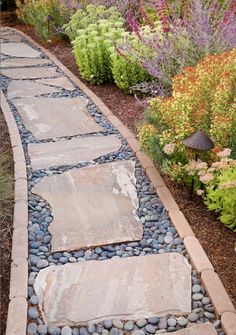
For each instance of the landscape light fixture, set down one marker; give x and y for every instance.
(198, 141)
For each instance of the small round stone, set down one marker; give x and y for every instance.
(182, 322)
(66, 331)
(197, 296)
(83, 331)
(52, 330)
(63, 260)
(33, 313)
(34, 300)
(114, 331)
(32, 329)
(162, 323)
(129, 325)
(141, 323)
(75, 331)
(217, 323)
(168, 239)
(138, 332)
(209, 315)
(205, 301)
(150, 329)
(196, 288)
(91, 329)
(171, 322)
(42, 263)
(193, 317)
(153, 320)
(42, 329)
(107, 324)
(105, 332)
(117, 323)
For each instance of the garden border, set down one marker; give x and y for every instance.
(17, 309)
(214, 287)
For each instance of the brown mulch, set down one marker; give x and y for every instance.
(6, 230)
(217, 241)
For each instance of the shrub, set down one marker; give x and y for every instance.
(92, 49)
(188, 34)
(203, 99)
(46, 16)
(90, 15)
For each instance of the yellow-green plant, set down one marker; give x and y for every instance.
(47, 16)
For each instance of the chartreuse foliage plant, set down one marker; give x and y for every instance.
(47, 16)
(90, 15)
(203, 99)
(216, 182)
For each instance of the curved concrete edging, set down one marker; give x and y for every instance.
(17, 310)
(214, 287)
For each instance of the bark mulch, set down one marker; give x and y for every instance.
(217, 241)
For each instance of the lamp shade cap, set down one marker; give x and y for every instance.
(199, 140)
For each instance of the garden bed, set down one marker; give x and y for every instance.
(217, 241)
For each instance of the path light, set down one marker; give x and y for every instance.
(47, 20)
(198, 141)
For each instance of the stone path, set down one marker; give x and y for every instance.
(104, 257)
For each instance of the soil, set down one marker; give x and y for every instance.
(217, 241)
(6, 230)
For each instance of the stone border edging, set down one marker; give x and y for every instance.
(17, 309)
(214, 287)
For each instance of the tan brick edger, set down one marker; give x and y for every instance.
(221, 301)
(17, 310)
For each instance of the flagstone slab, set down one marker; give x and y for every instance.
(47, 118)
(92, 206)
(67, 152)
(199, 329)
(19, 50)
(62, 82)
(27, 88)
(31, 73)
(121, 288)
(12, 37)
(22, 62)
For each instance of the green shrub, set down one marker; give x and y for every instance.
(91, 15)
(47, 17)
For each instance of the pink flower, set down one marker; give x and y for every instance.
(225, 153)
(169, 148)
(200, 192)
(206, 178)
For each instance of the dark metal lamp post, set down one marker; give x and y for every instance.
(198, 141)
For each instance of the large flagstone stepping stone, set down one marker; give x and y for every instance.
(22, 62)
(199, 329)
(61, 82)
(76, 150)
(31, 72)
(92, 206)
(27, 88)
(47, 118)
(12, 37)
(122, 288)
(19, 50)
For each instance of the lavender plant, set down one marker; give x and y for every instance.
(188, 34)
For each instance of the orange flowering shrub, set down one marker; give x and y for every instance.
(204, 98)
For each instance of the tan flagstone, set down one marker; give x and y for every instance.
(62, 82)
(22, 62)
(199, 329)
(56, 117)
(12, 37)
(121, 288)
(27, 88)
(76, 150)
(92, 206)
(19, 50)
(31, 72)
